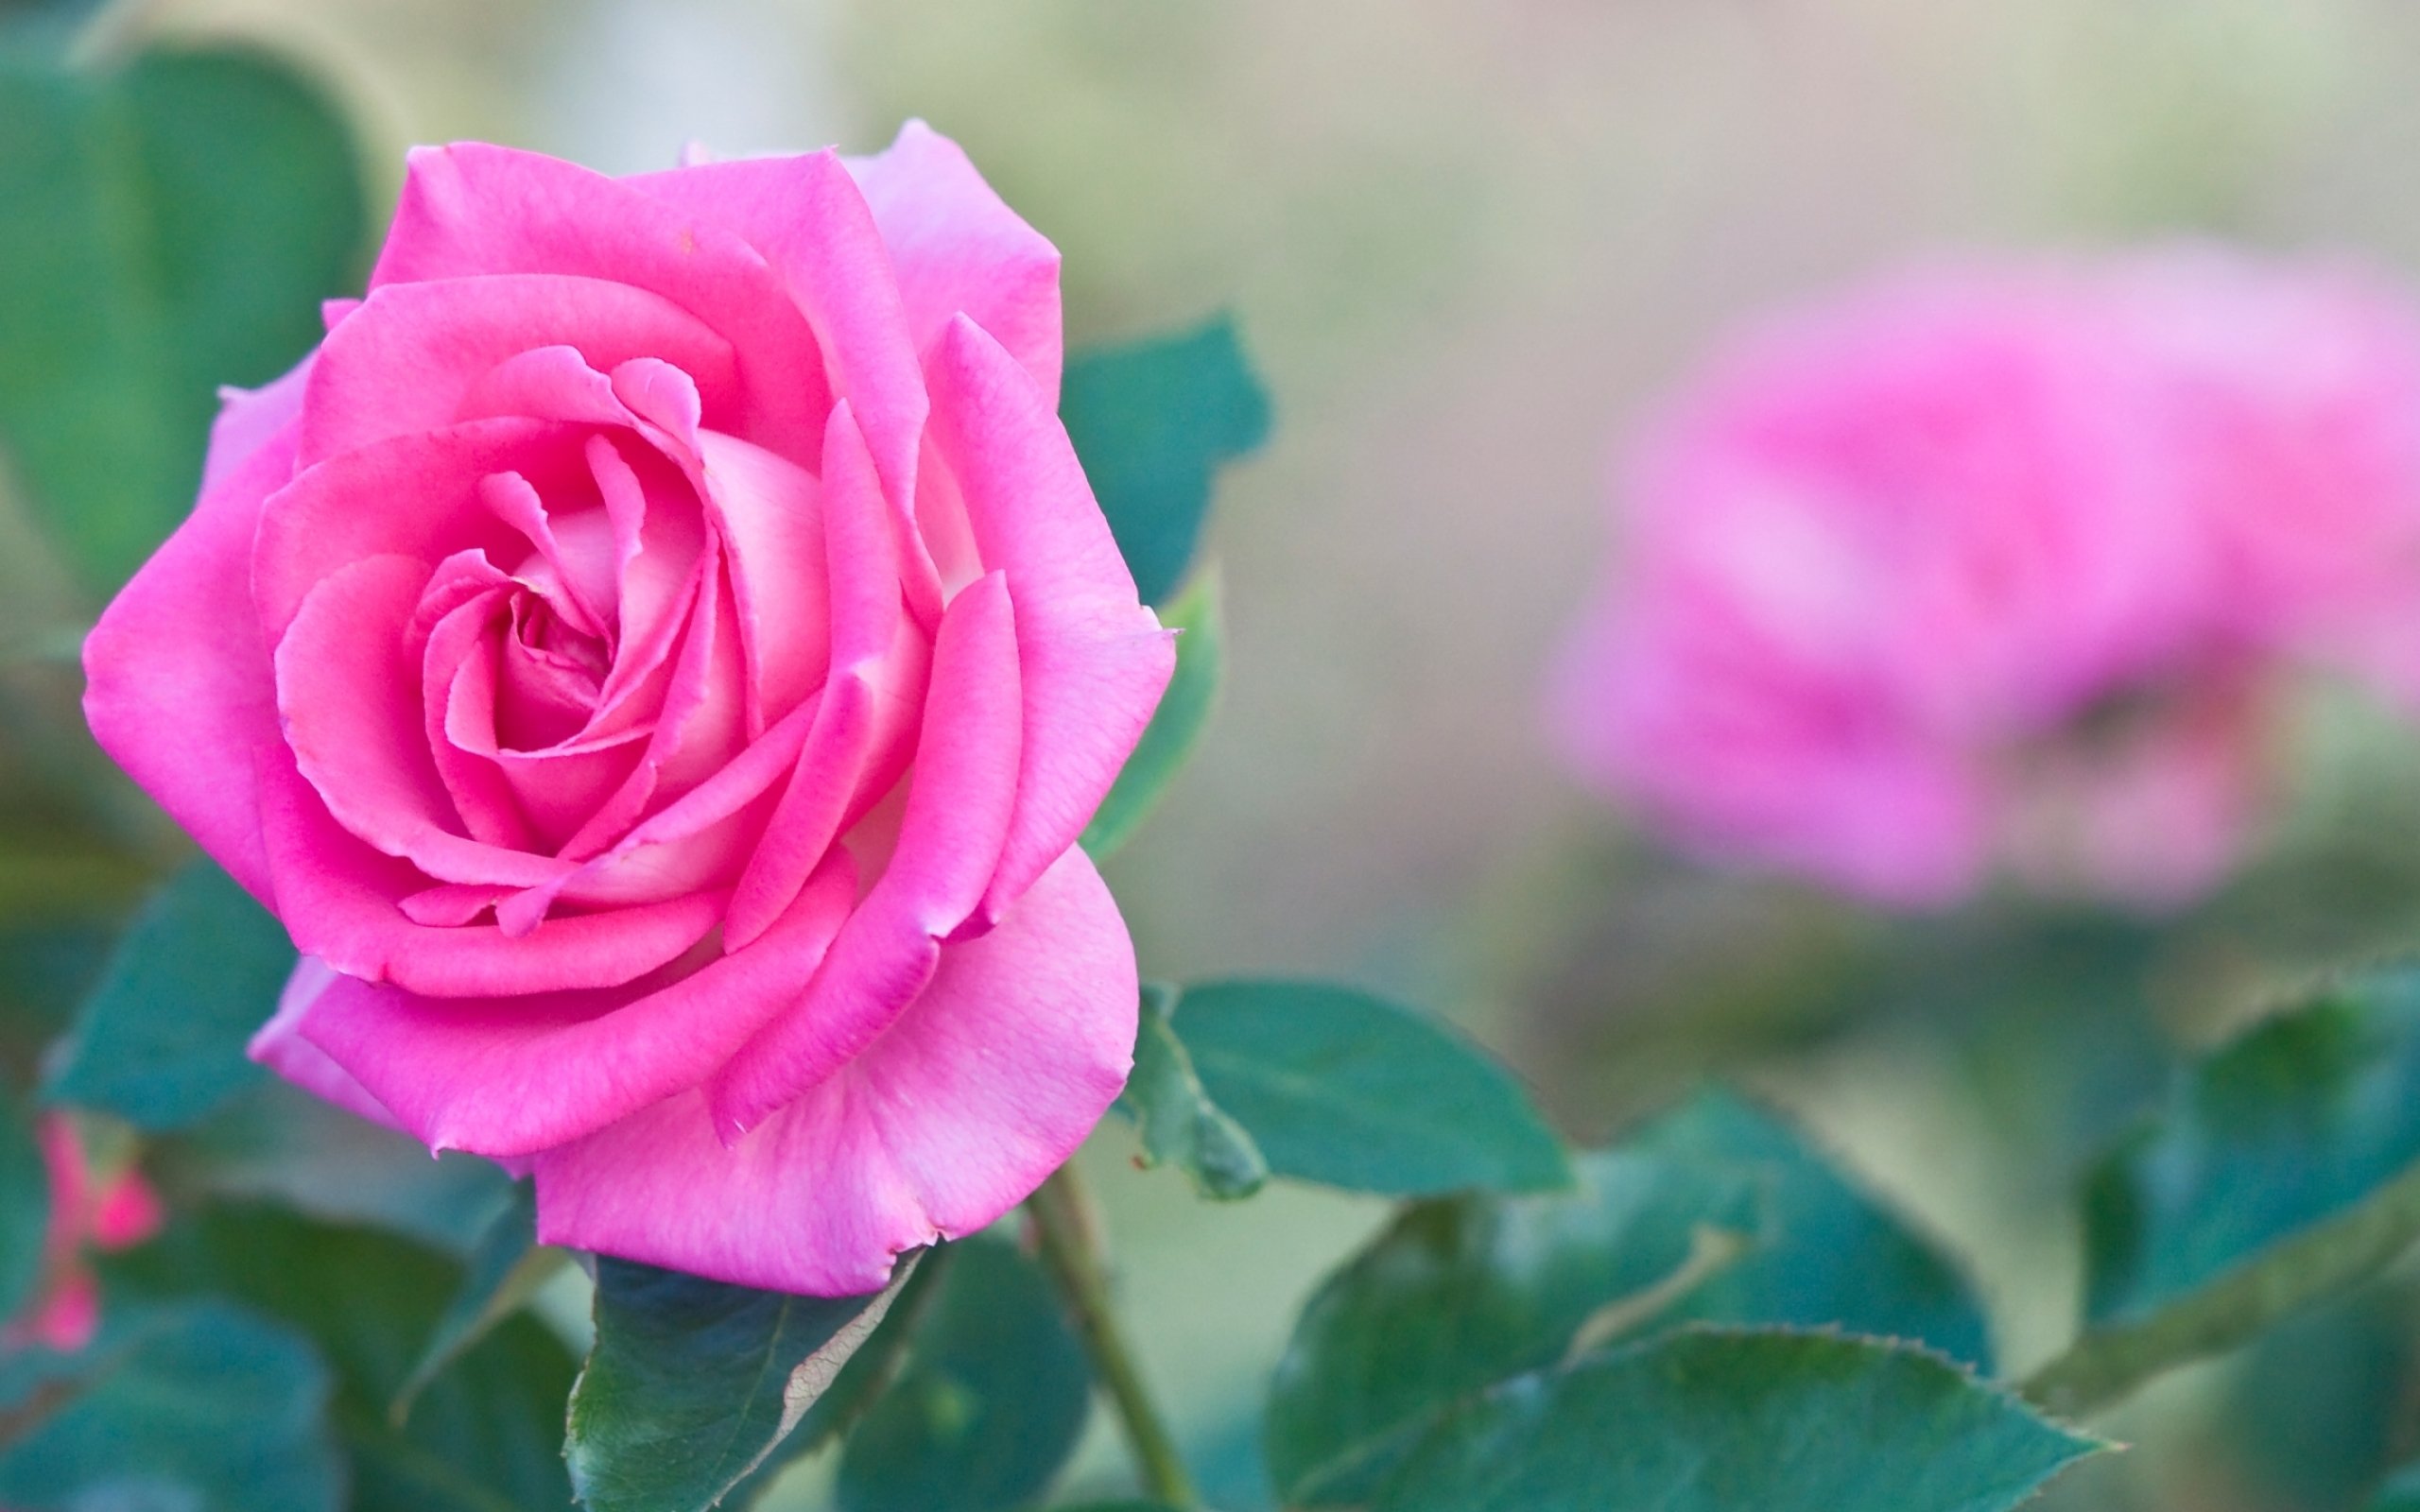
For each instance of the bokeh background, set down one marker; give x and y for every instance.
(1467, 240)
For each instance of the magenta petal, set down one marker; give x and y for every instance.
(407, 359)
(472, 207)
(427, 486)
(871, 698)
(808, 217)
(458, 691)
(512, 1076)
(177, 683)
(346, 693)
(772, 517)
(960, 248)
(1093, 661)
(279, 1045)
(959, 805)
(341, 901)
(981, 1088)
(250, 420)
(689, 844)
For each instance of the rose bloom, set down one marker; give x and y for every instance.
(656, 656)
(89, 1208)
(2004, 566)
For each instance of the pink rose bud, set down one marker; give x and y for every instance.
(2002, 567)
(656, 656)
(88, 1211)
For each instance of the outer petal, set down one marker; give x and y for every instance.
(280, 1046)
(513, 1075)
(178, 685)
(472, 207)
(250, 420)
(1092, 660)
(949, 847)
(980, 1090)
(958, 248)
(808, 218)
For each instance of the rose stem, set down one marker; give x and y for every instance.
(1071, 1252)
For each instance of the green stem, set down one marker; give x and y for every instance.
(2109, 1363)
(1071, 1252)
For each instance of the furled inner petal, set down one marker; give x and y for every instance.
(348, 697)
(770, 516)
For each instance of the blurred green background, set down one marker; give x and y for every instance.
(1465, 240)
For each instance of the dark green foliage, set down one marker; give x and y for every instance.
(1153, 421)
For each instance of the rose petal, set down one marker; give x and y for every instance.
(458, 722)
(1092, 660)
(405, 361)
(347, 696)
(179, 688)
(865, 725)
(511, 1076)
(958, 811)
(340, 900)
(807, 215)
(427, 487)
(960, 248)
(980, 1090)
(472, 207)
(771, 514)
(250, 419)
(279, 1045)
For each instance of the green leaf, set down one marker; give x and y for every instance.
(2314, 1411)
(1835, 1258)
(25, 1204)
(2401, 1492)
(505, 1268)
(160, 1040)
(485, 1433)
(1152, 420)
(994, 1395)
(693, 1382)
(1179, 1124)
(2301, 1119)
(873, 1370)
(1462, 1293)
(206, 1407)
(1338, 1087)
(2279, 1172)
(1184, 709)
(164, 227)
(1718, 1420)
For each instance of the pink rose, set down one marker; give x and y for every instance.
(2000, 567)
(656, 656)
(88, 1210)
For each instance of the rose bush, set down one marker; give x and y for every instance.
(2006, 565)
(656, 656)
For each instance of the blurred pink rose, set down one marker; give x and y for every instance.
(656, 656)
(1999, 566)
(88, 1210)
